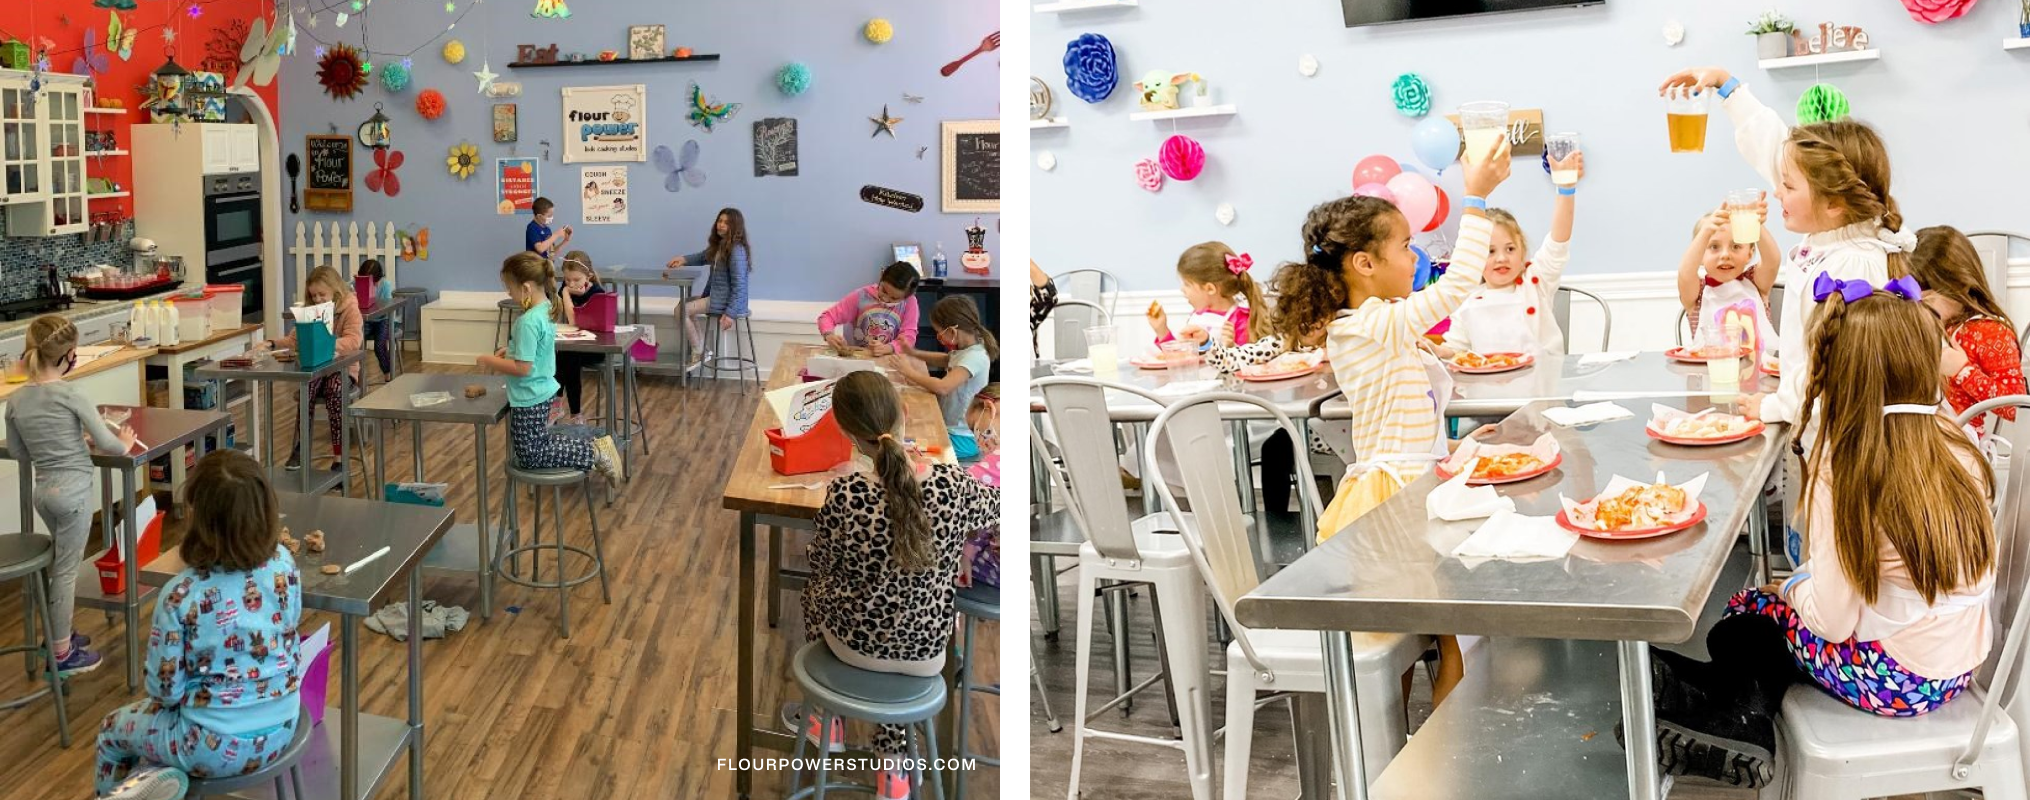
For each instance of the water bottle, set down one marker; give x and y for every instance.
(938, 264)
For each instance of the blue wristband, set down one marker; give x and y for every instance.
(1727, 89)
(1567, 191)
(1474, 202)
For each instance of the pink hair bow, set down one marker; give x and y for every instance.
(1238, 264)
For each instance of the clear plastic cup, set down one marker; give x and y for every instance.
(1741, 218)
(1685, 112)
(1482, 123)
(1560, 146)
(1181, 357)
(1106, 357)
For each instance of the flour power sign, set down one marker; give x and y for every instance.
(605, 123)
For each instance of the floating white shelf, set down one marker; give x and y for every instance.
(2016, 44)
(1841, 57)
(105, 111)
(1083, 5)
(105, 152)
(1050, 122)
(1187, 112)
(108, 194)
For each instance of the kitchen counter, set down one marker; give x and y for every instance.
(110, 361)
(80, 311)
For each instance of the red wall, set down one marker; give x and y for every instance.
(46, 19)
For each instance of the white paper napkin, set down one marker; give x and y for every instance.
(1589, 414)
(1182, 388)
(1453, 500)
(1512, 536)
(1074, 365)
(1591, 359)
(1589, 396)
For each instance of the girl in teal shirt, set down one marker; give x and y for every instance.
(530, 362)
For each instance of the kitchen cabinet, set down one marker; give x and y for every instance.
(44, 155)
(245, 145)
(21, 141)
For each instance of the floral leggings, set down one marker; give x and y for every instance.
(538, 445)
(326, 390)
(1860, 674)
(144, 732)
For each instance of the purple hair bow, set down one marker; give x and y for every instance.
(1825, 286)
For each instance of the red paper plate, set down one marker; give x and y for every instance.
(1767, 368)
(1280, 376)
(1685, 354)
(1566, 523)
(1527, 360)
(1517, 478)
(1752, 432)
(1155, 364)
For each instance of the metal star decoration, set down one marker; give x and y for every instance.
(485, 76)
(884, 123)
(169, 36)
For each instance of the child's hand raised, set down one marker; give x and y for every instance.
(1486, 173)
(1158, 321)
(1696, 78)
(1575, 162)
(1714, 224)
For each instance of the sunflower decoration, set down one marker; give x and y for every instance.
(341, 73)
(463, 161)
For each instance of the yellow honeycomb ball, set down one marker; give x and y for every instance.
(879, 31)
(454, 51)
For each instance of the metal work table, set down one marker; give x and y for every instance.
(267, 371)
(621, 406)
(465, 549)
(628, 285)
(368, 745)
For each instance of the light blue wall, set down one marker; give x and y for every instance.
(813, 238)
(1947, 99)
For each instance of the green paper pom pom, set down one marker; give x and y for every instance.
(1822, 103)
(394, 77)
(793, 78)
(1412, 95)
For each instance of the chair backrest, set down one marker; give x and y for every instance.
(1561, 308)
(2011, 605)
(1085, 435)
(1095, 286)
(1994, 249)
(1218, 536)
(1068, 321)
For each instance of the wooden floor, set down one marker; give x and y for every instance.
(638, 703)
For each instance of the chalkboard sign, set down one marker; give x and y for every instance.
(972, 166)
(330, 173)
(775, 147)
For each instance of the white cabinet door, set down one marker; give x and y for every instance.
(246, 148)
(218, 149)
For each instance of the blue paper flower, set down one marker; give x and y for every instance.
(1089, 68)
(1412, 95)
(394, 77)
(793, 78)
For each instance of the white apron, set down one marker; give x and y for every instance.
(1713, 300)
(1499, 322)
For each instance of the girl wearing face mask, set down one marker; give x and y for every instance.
(727, 256)
(48, 422)
(877, 315)
(539, 239)
(970, 353)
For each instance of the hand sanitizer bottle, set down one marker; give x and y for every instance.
(938, 264)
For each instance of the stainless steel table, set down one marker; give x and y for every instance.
(160, 431)
(267, 371)
(1392, 571)
(1563, 378)
(368, 745)
(468, 547)
(621, 406)
(386, 312)
(1292, 396)
(629, 282)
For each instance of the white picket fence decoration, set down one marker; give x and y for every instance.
(344, 252)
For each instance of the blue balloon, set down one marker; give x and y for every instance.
(1423, 268)
(1435, 142)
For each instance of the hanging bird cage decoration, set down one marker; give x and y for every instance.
(374, 133)
(166, 95)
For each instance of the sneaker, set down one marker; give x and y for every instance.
(78, 662)
(78, 640)
(609, 459)
(295, 461)
(152, 783)
(892, 784)
(793, 717)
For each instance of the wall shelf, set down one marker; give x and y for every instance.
(2016, 44)
(106, 111)
(1821, 59)
(1187, 112)
(593, 62)
(1050, 122)
(105, 152)
(1084, 5)
(108, 195)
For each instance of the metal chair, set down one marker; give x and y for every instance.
(1094, 286)
(287, 762)
(831, 687)
(1068, 321)
(507, 563)
(1831, 750)
(1561, 309)
(741, 363)
(27, 557)
(977, 604)
(1264, 660)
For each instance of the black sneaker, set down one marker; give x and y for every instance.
(1712, 725)
(295, 461)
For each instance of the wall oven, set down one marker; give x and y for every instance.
(232, 236)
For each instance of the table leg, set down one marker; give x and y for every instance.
(1117, 614)
(1638, 721)
(1343, 704)
(348, 705)
(415, 686)
(1305, 512)
(743, 721)
(175, 475)
(1314, 746)
(613, 421)
(1758, 540)
(344, 466)
(266, 396)
(25, 473)
(484, 474)
(131, 540)
(1043, 572)
(376, 492)
(303, 451)
(1243, 472)
(683, 338)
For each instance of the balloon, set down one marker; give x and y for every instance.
(1374, 190)
(1375, 169)
(1444, 210)
(1423, 268)
(1435, 142)
(1416, 198)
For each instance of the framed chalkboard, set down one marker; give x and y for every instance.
(972, 166)
(330, 173)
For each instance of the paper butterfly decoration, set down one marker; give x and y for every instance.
(678, 170)
(261, 55)
(416, 246)
(119, 37)
(382, 178)
(705, 114)
(550, 9)
(91, 62)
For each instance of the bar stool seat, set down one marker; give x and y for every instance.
(743, 361)
(28, 557)
(507, 561)
(977, 604)
(287, 762)
(833, 687)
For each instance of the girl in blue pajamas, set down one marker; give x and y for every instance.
(222, 662)
(530, 362)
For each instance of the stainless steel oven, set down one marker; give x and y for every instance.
(232, 236)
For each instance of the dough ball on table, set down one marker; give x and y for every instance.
(475, 390)
(331, 569)
(315, 541)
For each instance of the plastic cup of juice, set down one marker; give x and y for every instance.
(1560, 146)
(1482, 123)
(1741, 218)
(1100, 348)
(1685, 111)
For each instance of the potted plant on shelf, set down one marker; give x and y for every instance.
(1772, 34)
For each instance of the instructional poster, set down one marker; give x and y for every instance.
(605, 123)
(515, 185)
(604, 195)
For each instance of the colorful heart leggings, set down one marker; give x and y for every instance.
(1859, 673)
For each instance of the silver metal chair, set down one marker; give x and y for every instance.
(1561, 308)
(507, 562)
(1068, 321)
(286, 763)
(976, 604)
(27, 557)
(1095, 286)
(831, 687)
(743, 361)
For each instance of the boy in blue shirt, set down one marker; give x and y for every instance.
(538, 238)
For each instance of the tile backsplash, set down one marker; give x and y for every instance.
(22, 259)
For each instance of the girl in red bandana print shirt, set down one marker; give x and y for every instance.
(1981, 359)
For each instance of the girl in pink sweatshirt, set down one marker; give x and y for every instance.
(877, 315)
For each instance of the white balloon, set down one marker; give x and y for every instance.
(1225, 213)
(1047, 161)
(1307, 65)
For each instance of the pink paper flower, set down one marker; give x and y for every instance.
(1936, 11)
(1149, 175)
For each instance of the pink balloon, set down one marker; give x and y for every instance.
(1444, 210)
(1374, 190)
(1182, 158)
(1375, 169)
(1416, 198)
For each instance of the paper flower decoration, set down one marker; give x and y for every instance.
(1149, 175)
(454, 51)
(340, 73)
(1936, 11)
(464, 159)
(1821, 103)
(1089, 68)
(878, 31)
(394, 77)
(1412, 95)
(382, 177)
(1181, 157)
(430, 103)
(793, 78)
